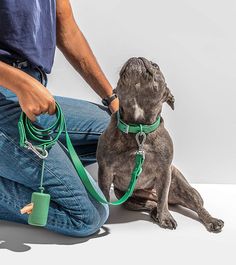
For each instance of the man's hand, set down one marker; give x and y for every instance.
(114, 105)
(35, 99)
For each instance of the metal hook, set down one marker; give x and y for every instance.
(140, 143)
(41, 153)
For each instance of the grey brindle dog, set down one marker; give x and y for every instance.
(142, 90)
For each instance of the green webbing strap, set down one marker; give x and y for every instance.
(135, 128)
(44, 140)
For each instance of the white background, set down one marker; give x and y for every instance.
(194, 44)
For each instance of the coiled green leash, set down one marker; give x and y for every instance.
(45, 138)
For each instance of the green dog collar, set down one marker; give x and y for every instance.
(136, 128)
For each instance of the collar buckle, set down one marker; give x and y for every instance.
(127, 129)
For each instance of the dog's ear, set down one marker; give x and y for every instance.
(169, 98)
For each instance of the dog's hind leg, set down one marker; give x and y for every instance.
(182, 193)
(141, 200)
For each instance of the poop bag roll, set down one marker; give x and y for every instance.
(40, 209)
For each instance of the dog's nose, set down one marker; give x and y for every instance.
(142, 59)
(134, 60)
(146, 64)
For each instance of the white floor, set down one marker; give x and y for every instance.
(131, 238)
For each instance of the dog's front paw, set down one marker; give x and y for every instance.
(164, 219)
(214, 225)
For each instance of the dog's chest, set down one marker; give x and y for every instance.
(124, 166)
(117, 151)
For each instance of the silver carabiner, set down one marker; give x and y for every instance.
(41, 153)
(140, 143)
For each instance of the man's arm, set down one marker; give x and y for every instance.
(72, 43)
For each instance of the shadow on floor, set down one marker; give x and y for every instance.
(16, 237)
(118, 214)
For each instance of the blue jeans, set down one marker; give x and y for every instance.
(72, 210)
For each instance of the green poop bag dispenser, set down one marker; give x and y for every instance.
(40, 201)
(37, 140)
(39, 213)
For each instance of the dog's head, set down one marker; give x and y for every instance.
(142, 90)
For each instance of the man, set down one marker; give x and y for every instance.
(29, 32)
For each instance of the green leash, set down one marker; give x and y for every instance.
(44, 140)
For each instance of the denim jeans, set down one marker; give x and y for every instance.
(72, 210)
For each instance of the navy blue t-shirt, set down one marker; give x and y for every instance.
(28, 31)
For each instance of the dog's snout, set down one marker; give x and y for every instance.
(142, 59)
(131, 65)
(138, 60)
(138, 65)
(135, 61)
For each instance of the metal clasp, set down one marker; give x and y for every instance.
(141, 152)
(41, 153)
(141, 142)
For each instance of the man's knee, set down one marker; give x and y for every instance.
(104, 213)
(97, 220)
(89, 222)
